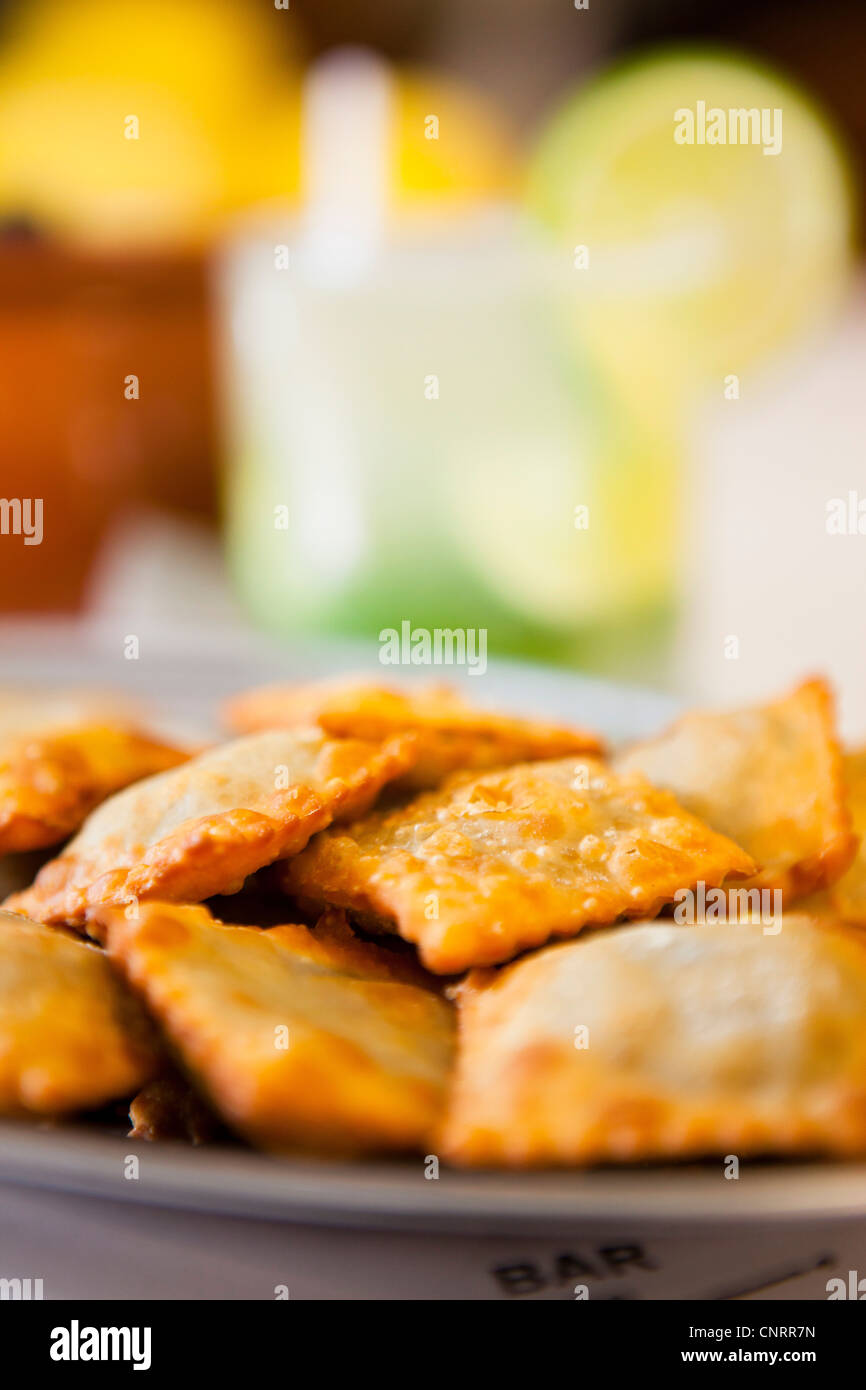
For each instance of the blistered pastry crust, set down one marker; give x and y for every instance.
(491, 865)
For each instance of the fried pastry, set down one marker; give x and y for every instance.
(770, 777)
(60, 755)
(71, 1037)
(301, 1039)
(451, 734)
(657, 1041)
(202, 828)
(493, 864)
(848, 895)
(50, 782)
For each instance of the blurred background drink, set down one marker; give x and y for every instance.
(473, 416)
(413, 433)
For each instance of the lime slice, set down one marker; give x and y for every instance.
(704, 255)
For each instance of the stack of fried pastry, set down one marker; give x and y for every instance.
(383, 921)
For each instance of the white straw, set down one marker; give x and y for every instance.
(346, 151)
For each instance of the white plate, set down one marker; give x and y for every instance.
(183, 684)
(396, 1196)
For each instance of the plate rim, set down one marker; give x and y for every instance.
(225, 1181)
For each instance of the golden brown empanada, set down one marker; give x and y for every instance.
(301, 1039)
(492, 864)
(848, 895)
(451, 733)
(201, 829)
(770, 777)
(62, 755)
(658, 1041)
(71, 1037)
